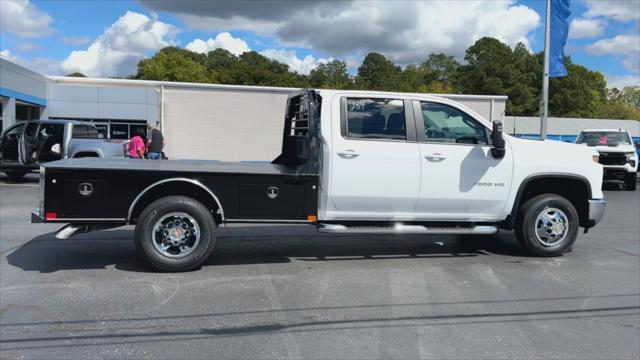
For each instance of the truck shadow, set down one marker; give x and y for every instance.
(31, 178)
(258, 245)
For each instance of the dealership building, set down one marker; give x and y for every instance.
(203, 121)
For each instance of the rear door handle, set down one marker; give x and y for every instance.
(435, 157)
(348, 154)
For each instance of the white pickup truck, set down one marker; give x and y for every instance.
(351, 162)
(617, 153)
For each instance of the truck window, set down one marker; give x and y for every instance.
(370, 118)
(604, 138)
(444, 123)
(50, 138)
(85, 132)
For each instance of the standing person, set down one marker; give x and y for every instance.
(136, 145)
(155, 143)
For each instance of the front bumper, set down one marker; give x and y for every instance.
(617, 172)
(36, 218)
(596, 211)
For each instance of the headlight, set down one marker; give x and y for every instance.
(632, 158)
(595, 158)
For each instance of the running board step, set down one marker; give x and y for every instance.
(407, 229)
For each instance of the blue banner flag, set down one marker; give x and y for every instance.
(558, 37)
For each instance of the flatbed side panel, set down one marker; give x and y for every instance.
(107, 194)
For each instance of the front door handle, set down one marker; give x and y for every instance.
(435, 157)
(348, 154)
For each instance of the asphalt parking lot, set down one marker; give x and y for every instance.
(289, 292)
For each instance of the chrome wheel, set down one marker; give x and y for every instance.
(176, 235)
(552, 227)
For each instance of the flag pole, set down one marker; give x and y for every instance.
(545, 75)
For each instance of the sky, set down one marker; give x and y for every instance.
(108, 38)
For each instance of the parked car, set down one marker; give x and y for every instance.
(617, 153)
(351, 162)
(26, 145)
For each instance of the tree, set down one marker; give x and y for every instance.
(174, 64)
(440, 67)
(331, 75)
(486, 70)
(221, 63)
(76, 74)
(378, 73)
(579, 94)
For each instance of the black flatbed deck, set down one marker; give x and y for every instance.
(121, 188)
(187, 166)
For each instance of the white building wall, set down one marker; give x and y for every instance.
(17, 78)
(20, 84)
(93, 101)
(522, 125)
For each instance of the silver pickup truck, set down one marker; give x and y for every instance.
(26, 145)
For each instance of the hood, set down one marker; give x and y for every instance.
(614, 149)
(556, 150)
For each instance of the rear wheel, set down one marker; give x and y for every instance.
(175, 233)
(547, 225)
(15, 175)
(630, 181)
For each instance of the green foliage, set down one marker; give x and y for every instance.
(76, 74)
(332, 75)
(378, 73)
(174, 64)
(491, 68)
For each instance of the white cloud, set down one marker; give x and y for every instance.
(289, 57)
(223, 40)
(41, 65)
(28, 46)
(7, 55)
(621, 82)
(403, 31)
(24, 19)
(75, 40)
(620, 10)
(119, 49)
(627, 46)
(585, 28)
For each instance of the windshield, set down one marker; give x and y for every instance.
(604, 138)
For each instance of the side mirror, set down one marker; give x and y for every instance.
(497, 141)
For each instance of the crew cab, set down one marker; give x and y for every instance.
(351, 162)
(616, 151)
(26, 145)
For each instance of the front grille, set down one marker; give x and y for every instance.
(610, 158)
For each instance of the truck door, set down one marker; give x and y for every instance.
(29, 143)
(375, 169)
(9, 148)
(461, 180)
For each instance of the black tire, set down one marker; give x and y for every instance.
(155, 212)
(527, 221)
(630, 182)
(15, 175)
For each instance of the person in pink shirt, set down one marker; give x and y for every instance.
(136, 145)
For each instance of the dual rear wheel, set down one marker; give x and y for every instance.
(175, 233)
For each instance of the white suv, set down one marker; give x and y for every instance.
(617, 154)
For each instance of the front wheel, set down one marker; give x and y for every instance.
(175, 233)
(547, 225)
(630, 182)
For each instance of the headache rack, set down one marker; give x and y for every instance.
(301, 127)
